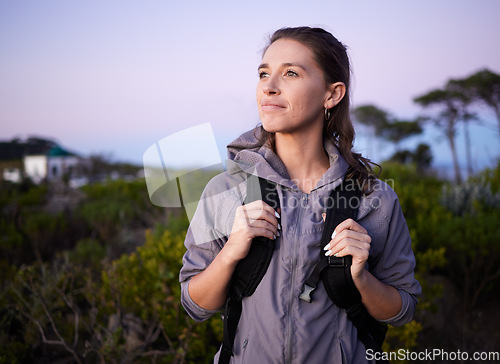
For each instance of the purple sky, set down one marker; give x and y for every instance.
(117, 76)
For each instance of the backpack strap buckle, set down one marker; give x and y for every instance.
(336, 262)
(306, 293)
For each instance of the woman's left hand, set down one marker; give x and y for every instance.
(350, 238)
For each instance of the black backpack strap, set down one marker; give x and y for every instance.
(340, 287)
(250, 270)
(335, 272)
(343, 204)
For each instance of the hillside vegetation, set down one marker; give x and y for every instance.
(95, 278)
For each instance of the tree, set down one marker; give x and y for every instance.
(484, 88)
(372, 117)
(397, 130)
(461, 87)
(452, 107)
(385, 126)
(422, 157)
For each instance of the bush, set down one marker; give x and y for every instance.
(455, 239)
(131, 312)
(144, 285)
(80, 305)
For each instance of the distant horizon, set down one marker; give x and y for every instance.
(440, 163)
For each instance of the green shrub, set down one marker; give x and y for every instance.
(131, 312)
(128, 310)
(145, 285)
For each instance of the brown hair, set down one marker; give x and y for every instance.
(331, 56)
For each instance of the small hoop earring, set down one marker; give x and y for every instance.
(327, 114)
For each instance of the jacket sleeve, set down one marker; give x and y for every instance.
(208, 232)
(195, 260)
(393, 261)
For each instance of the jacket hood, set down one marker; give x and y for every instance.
(249, 154)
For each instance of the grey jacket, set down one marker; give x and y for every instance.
(275, 325)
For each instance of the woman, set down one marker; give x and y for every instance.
(304, 146)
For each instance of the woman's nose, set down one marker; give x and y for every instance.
(271, 88)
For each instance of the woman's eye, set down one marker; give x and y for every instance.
(291, 73)
(263, 75)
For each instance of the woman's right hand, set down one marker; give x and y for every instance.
(209, 288)
(255, 219)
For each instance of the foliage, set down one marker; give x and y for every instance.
(114, 203)
(113, 209)
(450, 106)
(88, 253)
(402, 337)
(489, 177)
(454, 235)
(386, 126)
(475, 210)
(24, 194)
(145, 285)
(458, 102)
(131, 313)
(372, 116)
(421, 157)
(397, 130)
(89, 304)
(28, 232)
(483, 87)
(470, 198)
(41, 300)
(418, 198)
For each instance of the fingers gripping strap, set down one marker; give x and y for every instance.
(344, 203)
(250, 270)
(336, 273)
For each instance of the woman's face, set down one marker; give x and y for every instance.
(291, 93)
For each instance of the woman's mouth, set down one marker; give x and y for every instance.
(271, 106)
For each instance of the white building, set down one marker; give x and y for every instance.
(12, 174)
(55, 165)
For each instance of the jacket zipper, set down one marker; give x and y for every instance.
(288, 358)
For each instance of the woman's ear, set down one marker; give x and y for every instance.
(335, 94)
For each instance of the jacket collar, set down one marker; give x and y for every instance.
(248, 154)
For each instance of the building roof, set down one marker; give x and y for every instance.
(58, 151)
(16, 149)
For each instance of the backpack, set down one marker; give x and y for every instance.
(334, 271)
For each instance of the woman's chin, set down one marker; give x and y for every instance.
(271, 126)
(268, 129)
